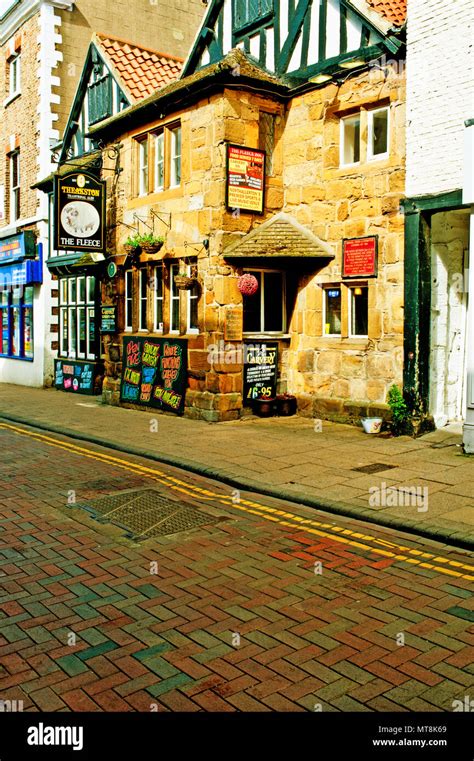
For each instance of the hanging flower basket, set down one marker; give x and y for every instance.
(130, 249)
(151, 248)
(184, 282)
(247, 284)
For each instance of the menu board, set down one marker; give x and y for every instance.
(359, 257)
(76, 377)
(154, 372)
(108, 319)
(260, 371)
(245, 178)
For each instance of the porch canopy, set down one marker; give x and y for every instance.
(280, 241)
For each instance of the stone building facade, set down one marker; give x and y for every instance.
(311, 200)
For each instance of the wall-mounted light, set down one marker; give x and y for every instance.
(354, 64)
(319, 79)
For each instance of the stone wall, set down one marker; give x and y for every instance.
(337, 203)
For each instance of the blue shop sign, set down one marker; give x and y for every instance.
(18, 265)
(17, 247)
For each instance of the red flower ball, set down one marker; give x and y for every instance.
(247, 284)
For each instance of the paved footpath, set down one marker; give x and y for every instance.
(315, 462)
(269, 607)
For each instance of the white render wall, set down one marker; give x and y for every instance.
(440, 92)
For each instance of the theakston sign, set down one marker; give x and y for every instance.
(79, 213)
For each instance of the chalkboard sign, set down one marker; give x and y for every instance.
(108, 319)
(154, 372)
(74, 376)
(260, 371)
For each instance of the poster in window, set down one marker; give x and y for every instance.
(359, 256)
(260, 371)
(154, 372)
(245, 186)
(79, 213)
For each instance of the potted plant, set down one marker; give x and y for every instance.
(150, 243)
(400, 413)
(132, 244)
(264, 407)
(286, 404)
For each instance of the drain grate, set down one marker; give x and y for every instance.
(146, 513)
(374, 467)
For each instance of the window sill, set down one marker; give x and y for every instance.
(18, 359)
(267, 336)
(11, 98)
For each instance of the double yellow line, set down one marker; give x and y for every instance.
(339, 534)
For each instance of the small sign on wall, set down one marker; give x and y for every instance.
(108, 318)
(2, 203)
(233, 324)
(359, 256)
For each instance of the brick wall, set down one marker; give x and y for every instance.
(440, 92)
(18, 119)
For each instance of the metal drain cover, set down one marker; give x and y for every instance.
(145, 513)
(375, 467)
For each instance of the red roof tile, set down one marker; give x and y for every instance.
(394, 11)
(141, 70)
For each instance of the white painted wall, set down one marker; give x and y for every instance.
(440, 92)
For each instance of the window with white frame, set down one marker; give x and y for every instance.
(350, 140)
(265, 311)
(378, 134)
(143, 167)
(14, 75)
(14, 162)
(158, 299)
(142, 299)
(174, 299)
(159, 161)
(128, 300)
(332, 311)
(77, 315)
(175, 168)
(358, 310)
(189, 300)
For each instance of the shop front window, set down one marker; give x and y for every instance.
(158, 299)
(332, 311)
(77, 313)
(142, 312)
(265, 312)
(128, 300)
(16, 322)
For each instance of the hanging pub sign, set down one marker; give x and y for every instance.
(359, 256)
(260, 371)
(79, 213)
(154, 372)
(245, 183)
(108, 318)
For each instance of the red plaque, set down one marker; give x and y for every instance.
(359, 256)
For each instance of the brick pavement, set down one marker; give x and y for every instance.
(283, 457)
(235, 620)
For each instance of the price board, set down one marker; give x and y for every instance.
(260, 371)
